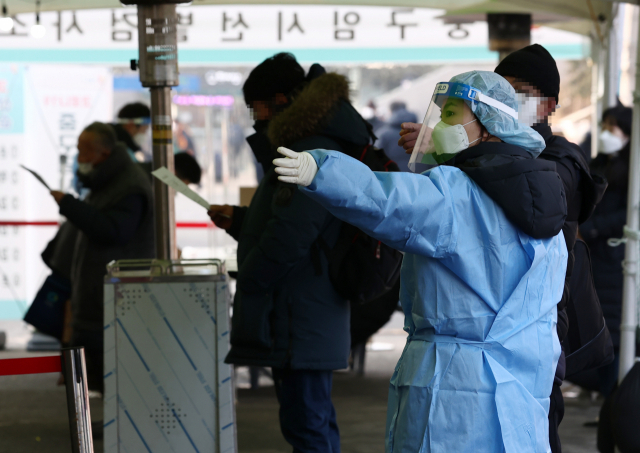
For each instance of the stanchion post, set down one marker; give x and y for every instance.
(158, 64)
(75, 379)
(629, 320)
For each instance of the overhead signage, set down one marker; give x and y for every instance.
(240, 32)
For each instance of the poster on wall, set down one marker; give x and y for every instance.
(42, 112)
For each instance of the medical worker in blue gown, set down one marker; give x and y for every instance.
(483, 269)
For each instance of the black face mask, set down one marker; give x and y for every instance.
(261, 126)
(260, 144)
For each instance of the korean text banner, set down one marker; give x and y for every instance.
(246, 33)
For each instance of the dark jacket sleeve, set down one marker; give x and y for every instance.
(569, 174)
(296, 224)
(238, 219)
(114, 226)
(610, 215)
(607, 225)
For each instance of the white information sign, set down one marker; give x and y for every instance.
(42, 112)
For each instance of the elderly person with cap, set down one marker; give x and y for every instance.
(131, 129)
(115, 221)
(483, 268)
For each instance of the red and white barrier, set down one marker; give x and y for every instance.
(71, 363)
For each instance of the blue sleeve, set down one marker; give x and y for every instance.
(410, 212)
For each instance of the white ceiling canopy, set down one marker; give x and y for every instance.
(578, 16)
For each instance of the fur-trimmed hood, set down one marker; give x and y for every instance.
(314, 110)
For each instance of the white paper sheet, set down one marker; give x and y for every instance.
(38, 177)
(164, 175)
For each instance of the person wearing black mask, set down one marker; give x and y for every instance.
(608, 220)
(287, 314)
(534, 75)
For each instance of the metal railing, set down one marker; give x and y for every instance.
(72, 365)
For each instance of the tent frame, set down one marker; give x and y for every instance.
(629, 323)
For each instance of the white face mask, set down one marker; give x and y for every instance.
(609, 143)
(140, 139)
(448, 139)
(85, 168)
(528, 109)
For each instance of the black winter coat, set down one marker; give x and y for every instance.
(582, 194)
(285, 313)
(607, 222)
(114, 222)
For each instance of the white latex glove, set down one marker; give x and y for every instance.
(295, 168)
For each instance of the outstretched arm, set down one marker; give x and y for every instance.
(412, 213)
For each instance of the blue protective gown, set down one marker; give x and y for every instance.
(479, 298)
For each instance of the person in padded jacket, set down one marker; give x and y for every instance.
(481, 274)
(286, 315)
(113, 222)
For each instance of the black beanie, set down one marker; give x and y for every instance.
(533, 64)
(278, 74)
(623, 116)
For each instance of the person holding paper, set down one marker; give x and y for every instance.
(287, 315)
(115, 221)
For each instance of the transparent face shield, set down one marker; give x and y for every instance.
(442, 134)
(446, 108)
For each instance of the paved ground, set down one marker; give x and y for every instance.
(33, 413)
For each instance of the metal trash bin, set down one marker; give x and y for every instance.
(166, 334)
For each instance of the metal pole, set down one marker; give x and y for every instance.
(612, 57)
(63, 168)
(508, 32)
(164, 208)
(596, 106)
(628, 51)
(75, 380)
(158, 63)
(629, 296)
